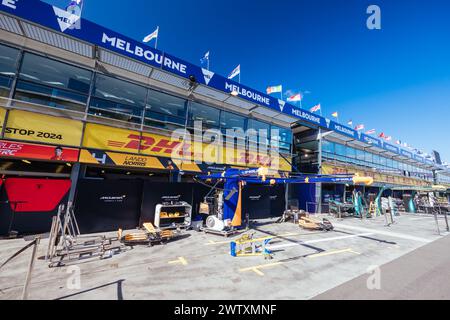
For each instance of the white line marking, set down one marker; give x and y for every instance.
(386, 233)
(318, 241)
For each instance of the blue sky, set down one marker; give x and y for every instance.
(395, 80)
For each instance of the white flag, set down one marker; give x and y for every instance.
(152, 36)
(235, 72)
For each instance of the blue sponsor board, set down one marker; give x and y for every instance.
(61, 20)
(391, 148)
(406, 153)
(346, 131)
(371, 140)
(419, 158)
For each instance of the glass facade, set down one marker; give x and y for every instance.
(9, 59)
(61, 85)
(53, 83)
(332, 151)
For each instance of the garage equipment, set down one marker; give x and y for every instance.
(66, 246)
(234, 180)
(247, 246)
(315, 224)
(148, 236)
(173, 215)
(340, 209)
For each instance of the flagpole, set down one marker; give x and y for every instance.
(157, 36)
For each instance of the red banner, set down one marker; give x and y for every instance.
(35, 195)
(37, 152)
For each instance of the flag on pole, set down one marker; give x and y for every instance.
(235, 72)
(275, 89)
(295, 98)
(73, 3)
(153, 35)
(360, 127)
(398, 142)
(350, 123)
(389, 138)
(316, 108)
(205, 58)
(373, 131)
(335, 114)
(75, 8)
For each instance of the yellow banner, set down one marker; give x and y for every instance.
(2, 118)
(119, 159)
(29, 126)
(378, 177)
(127, 141)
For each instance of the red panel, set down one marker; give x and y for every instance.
(38, 152)
(36, 195)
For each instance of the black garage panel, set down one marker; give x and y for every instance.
(262, 202)
(107, 205)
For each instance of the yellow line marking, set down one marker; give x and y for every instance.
(257, 270)
(325, 254)
(180, 260)
(212, 243)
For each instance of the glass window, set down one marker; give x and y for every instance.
(284, 137)
(389, 163)
(9, 58)
(341, 150)
(118, 99)
(360, 155)
(56, 84)
(262, 130)
(230, 120)
(351, 153)
(166, 104)
(369, 157)
(376, 159)
(165, 111)
(56, 98)
(209, 116)
(327, 146)
(56, 74)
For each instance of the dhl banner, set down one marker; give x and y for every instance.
(378, 177)
(37, 152)
(100, 137)
(29, 126)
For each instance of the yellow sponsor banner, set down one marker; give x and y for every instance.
(378, 177)
(120, 159)
(29, 126)
(89, 158)
(135, 161)
(128, 141)
(2, 118)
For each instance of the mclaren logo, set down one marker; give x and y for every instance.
(68, 19)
